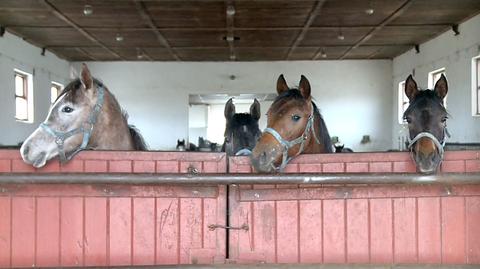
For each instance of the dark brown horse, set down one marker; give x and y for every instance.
(294, 126)
(85, 116)
(427, 121)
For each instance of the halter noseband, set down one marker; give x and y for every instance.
(287, 145)
(439, 144)
(86, 129)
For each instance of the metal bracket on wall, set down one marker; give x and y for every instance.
(213, 227)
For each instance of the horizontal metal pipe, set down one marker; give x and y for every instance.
(223, 179)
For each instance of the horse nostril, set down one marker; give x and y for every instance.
(26, 150)
(263, 157)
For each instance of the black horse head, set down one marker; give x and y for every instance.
(241, 132)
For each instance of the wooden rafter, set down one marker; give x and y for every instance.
(311, 18)
(142, 10)
(230, 30)
(64, 18)
(379, 27)
(84, 52)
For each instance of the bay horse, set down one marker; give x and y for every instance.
(426, 117)
(294, 126)
(84, 116)
(241, 130)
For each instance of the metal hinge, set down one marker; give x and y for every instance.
(212, 227)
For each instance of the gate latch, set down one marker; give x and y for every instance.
(212, 227)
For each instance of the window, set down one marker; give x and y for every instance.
(476, 86)
(55, 91)
(433, 77)
(403, 102)
(23, 96)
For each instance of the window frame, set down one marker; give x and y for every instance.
(58, 87)
(27, 94)
(402, 102)
(475, 86)
(432, 81)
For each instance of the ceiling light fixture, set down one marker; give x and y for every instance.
(87, 10)
(119, 38)
(140, 54)
(230, 10)
(340, 34)
(230, 38)
(323, 54)
(369, 11)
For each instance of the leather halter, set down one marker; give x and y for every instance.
(86, 129)
(287, 145)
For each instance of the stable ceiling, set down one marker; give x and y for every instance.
(257, 31)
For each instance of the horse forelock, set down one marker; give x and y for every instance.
(425, 99)
(72, 90)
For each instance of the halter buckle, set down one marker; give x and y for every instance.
(59, 140)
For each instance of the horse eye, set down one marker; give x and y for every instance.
(295, 118)
(67, 109)
(408, 120)
(444, 119)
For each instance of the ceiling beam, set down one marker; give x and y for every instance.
(141, 8)
(187, 29)
(230, 30)
(64, 18)
(317, 8)
(379, 27)
(245, 47)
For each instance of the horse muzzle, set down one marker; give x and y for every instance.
(31, 156)
(427, 156)
(265, 159)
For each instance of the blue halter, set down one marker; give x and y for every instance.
(287, 145)
(86, 129)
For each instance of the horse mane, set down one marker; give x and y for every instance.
(325, 138)
(137, 138)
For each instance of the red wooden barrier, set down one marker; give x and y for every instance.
(378, 224)
(95, 225)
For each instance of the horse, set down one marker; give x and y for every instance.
(294, 126)
(241, 130)
(340, 148)
(181, 146)
(426, 117)
(84, 116)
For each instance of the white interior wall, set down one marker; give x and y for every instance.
(455, 54)
(18, 54)
(354, 96)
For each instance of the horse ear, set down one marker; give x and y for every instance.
(304, 87)
(255, 109)
(229, 109)
(441, 87)
(86, 77)
(281, 85)
(411, 89)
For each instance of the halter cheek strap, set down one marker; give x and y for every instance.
(86, 129)
(287, 145)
